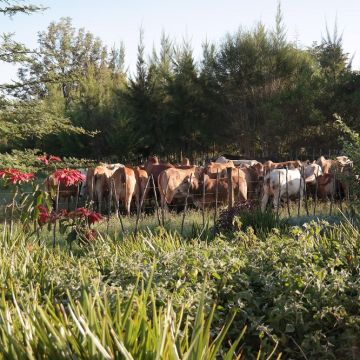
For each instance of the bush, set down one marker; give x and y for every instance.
(243, 215)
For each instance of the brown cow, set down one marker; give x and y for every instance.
(293, 164)
(65, 192)
(185, 161)
(171, 183)
(329, 187)
(102, 175)
(141, 180)
(124, 184)
(340, 164)
(215, 168)
(197, 184)
(253, 176)
(154, 168)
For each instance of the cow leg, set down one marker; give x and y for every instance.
(128, 203)
(277, 199)
(130, 190)
(264, 201)
(302, 193)
(163, 203)
(138, 193)
(243, 192)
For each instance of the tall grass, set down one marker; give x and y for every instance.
(160, 295)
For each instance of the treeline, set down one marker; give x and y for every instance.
(254, 92)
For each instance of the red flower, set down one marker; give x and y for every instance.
(60, 214)
(43, 216)
(43, 159)
(92, 216)
(69, 176)
(46, 159)
(54, 158)
(80, 212)
(15, 176)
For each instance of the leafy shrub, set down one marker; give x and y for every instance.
(28, 161)
(243, 215)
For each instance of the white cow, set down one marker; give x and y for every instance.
(311, 172)
(281, 183)
(224, 160)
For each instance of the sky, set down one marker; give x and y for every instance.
(116, 21)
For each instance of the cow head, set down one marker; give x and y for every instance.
(191, 182)
(311, 172)
(259, 169)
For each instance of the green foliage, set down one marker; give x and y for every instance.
(12, 7)
(247, 215)
(27, 161)
(298, 290)
(254, 94)
(100, 321)
(351, 147)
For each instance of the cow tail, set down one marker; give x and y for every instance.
(138, 181)
(164, 193)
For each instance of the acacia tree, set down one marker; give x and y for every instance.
(25, 120)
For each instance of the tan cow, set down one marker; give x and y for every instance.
(329, 187)
(221, 184)
(123, 182)
(171, 183)
(340, 164)
(240, 162)
(141, 181)
(253, 176)
(65, 192)
(215, 168)
(291, 165)
(154, 168)
(185, 161)
(102, 175)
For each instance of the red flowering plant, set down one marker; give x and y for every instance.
(15, 178)
(48, 159)
(69, 177)
(79, 222)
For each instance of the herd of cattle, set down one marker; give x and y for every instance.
(203, 186)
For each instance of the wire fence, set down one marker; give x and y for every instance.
(316, 199)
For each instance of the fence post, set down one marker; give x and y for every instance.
(56, 210)
(109, 206)
(163, 205)
(203, 199)
(186, 203)
(139, 211)
(216, 198)
(332, 193)
(112, 184)
(156, 201)
(306, 199)
(238, 184)
(299, 205)
(279, 198)
(316, 191)
(287, 192)
(230, 188)
(92, 195)
(77, 196)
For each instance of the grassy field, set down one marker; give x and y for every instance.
(290, 293)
